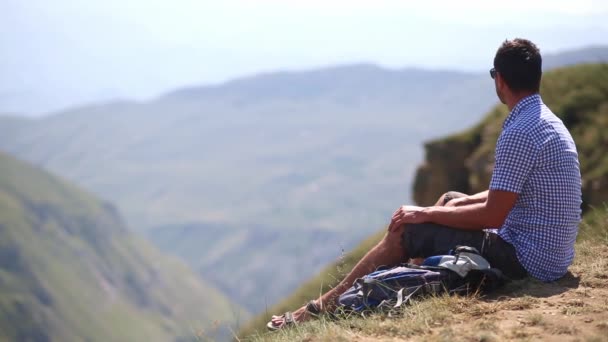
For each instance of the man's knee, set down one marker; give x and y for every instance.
(445, 198)
(392, 240)
(401, 237)
(442, 200)
(390, 247)
(448, 196)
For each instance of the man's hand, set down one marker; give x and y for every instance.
(407, 214)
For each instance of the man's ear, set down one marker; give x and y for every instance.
(500, 81)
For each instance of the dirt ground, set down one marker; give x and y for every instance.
(574, 308)
(566, 311)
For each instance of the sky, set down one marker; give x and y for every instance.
(62, 53)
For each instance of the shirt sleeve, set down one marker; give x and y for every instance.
(515, 159)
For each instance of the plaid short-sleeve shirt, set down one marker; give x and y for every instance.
(537, 158)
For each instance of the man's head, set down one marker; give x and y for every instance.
(517, 69)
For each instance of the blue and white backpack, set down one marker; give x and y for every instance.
(465, 271)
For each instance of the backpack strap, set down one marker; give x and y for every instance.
(405, 294)
(466, 249)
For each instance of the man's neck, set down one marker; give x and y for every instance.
(513, 100)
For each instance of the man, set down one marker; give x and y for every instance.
(533, 201)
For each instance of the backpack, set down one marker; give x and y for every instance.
(463, 272)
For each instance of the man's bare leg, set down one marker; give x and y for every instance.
(388, 252)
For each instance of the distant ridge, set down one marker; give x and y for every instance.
(592, 54)
(319, 80)
(314, 83)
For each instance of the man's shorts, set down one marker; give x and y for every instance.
(428, 239)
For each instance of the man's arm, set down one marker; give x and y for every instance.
(472, 199)
(490, 213)
(515, 158)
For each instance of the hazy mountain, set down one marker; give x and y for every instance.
(319, 156)
(35, 103)
(11, 125)
(593, 54)
(178, 158)
(70, 271)
(335, 161)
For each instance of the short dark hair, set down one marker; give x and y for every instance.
(519, 63)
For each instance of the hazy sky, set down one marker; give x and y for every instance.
(63, 52)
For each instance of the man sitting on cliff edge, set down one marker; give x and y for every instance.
(533, 202)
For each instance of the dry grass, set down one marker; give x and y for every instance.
(416, 319)
(574, 307)
(564, 330)
(535, 319)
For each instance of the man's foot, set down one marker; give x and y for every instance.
(301, 315)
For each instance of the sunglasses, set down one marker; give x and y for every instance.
(493, 73)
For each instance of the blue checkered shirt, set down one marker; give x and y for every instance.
(537, 158)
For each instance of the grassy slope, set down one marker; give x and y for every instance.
(69, 270)
(325, 280)
(579, 94)
(575, 308)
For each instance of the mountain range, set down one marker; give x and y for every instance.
(259, 182)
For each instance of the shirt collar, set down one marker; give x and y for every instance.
(520, 107)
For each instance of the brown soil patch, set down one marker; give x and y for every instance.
(574, 308)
